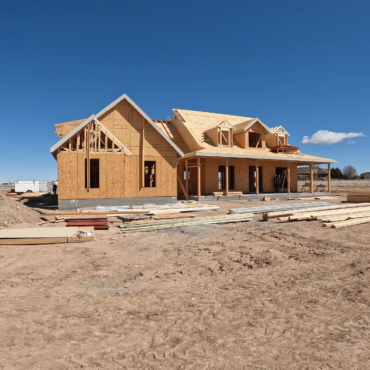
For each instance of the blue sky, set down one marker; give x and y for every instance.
(300, 64)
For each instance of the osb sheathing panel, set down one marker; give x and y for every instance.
(120, 176)
(209, 174)
(67, 179)
(186, 135)
(240, 139)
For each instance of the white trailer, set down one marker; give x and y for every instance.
(31, 186)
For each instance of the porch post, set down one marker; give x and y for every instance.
(311, 178)
(257, 179)
(288, 179)
(187, 175)
(227, 177)
(198, 163)
(329, 178)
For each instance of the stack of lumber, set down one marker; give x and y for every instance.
(283, 207)
(303, 210)
(126, 211)
(358, 198)
(223, 193)
(333, 217)
(97, 223)
(135, 226)
(48, 235)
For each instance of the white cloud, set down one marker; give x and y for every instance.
(351, 141)
(329, 137)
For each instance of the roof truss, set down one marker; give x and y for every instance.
(279, 130)
(95, 137)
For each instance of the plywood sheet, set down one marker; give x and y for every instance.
(39, 232)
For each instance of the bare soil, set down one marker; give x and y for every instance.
(253, 295)
(13, 212)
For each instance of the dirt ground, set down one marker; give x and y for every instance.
(253, 295)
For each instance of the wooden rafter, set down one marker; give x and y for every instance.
(95, 137)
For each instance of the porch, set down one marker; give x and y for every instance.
(205, 178)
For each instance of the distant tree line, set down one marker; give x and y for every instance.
(348, 171)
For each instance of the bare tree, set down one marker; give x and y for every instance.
(349, 171)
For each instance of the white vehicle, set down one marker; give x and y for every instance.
(31, 186)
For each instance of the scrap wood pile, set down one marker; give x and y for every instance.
(49, 235)
(151, 225)
(334, 216)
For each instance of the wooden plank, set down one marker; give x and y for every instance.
(88, 157)
(291, 211)
(329, 178)
(338, 225)
(187, 175)
(288, 180)
(38, 232)
(257, 180)
(199, 179)
(311, 178)
(179, 179)
(358, 198)
(142, 155)
(226, 176)
(32, 241)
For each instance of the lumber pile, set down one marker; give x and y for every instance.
(49, 235)
(96, 223)
(136, 226)
(223, 193)
(283, 207)
(358, 198)
(127, 211)
(290, 212)
(332, 217)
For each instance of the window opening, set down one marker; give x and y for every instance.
(255, 140)
(149, 174)
(94, 173)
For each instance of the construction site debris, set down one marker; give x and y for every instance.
(135, 226)
(97, 223)
(283, 207)
(358, 198)
(50, 235)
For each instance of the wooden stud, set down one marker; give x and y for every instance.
(227, 177)
(78, 141)
(329, 178)
(288, 180)
(179, 179)
(142, 155)
(187, 175)
(106, 141)
(88, 157)
(257, 180)
(311, 178)
(199, 184)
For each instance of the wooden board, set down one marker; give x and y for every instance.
(358, 198)
(39, 232)
(33, 241)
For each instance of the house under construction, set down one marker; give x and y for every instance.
(121, 156)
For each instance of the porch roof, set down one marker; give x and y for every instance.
(257, 154)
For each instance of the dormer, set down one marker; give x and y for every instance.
(221, 134)
(251, 134)
(278, 136)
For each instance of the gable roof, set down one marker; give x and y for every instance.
(245, 126)
(106, 109)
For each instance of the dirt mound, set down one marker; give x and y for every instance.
(13, 212)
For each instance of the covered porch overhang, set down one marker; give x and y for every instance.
(199, 160)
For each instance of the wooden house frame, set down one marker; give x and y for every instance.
(121, 156)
